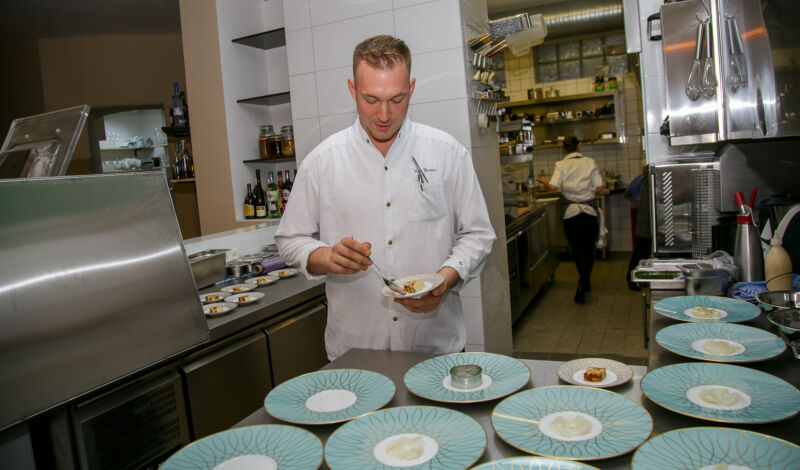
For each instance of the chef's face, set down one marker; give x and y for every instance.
(382, 97)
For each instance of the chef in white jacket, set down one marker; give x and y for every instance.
(404, 194)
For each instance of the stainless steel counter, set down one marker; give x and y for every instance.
(278, 297)
(784, 366)
(395, 364)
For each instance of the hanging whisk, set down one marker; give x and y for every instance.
(709, 75)
(694, 85)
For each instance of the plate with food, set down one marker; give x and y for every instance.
(706, 308)
(283, 273)
(261, 281)
(412, 437)
(713, 448)
(567, 422)
(447, 378)
(238, 288)
(414, 286)
(244, 298)
(329, 396)
(595, 372)
(218, 308)
(721, 392)
(720, 342)
(213, 297)
(268, 446)
(533, 463)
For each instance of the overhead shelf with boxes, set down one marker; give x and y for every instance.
(594, 118)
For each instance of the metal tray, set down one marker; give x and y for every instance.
(208, 267)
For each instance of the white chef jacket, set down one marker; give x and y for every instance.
(577, 176)
(346, 187)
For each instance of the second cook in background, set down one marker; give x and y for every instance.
(579, 180)
(405, 194)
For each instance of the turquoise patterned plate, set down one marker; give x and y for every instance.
(703, 448)
(266, 446)
(329, 396)
(704, 308)
(580, 423)
(720, 342)
(412, 437)
(721, 392)
(533, 463)
(502, 375)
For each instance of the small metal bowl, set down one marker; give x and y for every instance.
(788, 322)
(466, 376)
(778, 299)
(706, 281)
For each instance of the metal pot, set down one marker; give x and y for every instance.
(771, 300)
(237, 268)
(706, 281)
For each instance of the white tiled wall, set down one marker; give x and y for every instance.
(325, 32)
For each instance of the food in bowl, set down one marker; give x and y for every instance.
(705, 313)
(594, 374)
(411, 287)
(216, 309)
(245, 298)
(263, 280)
(719, 397)
(212, 297)
(571, 426)
(719, 348)
(406, 448)
(238, 289)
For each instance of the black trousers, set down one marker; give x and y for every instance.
(581, 232)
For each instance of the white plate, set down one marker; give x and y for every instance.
(252, 297)
(226, 307)
(617, 373)
(283, 273)
(238, 288)
(261, 281)
(209, 297)
(432, 281)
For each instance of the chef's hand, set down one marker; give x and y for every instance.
(430, 301)
(347, 256)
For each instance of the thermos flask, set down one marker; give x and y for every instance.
(747, 254)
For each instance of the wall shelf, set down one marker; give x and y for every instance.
(271, 160)
(573, 120)
(266, 40)
(268, 100)
(560, 99)
(134, 148)
(176, 131)
(184, 180)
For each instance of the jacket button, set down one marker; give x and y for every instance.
(390, 242)
(394, 318)
(386, 168)
(388, 204)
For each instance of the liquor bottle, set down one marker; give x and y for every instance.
(273, 197)
(249, 203)
(176, 162)
(261, 203)
(186, 162)
(179, 111)
(287, 188)
(281, 202)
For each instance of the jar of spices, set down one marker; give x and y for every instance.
(287, 144)
(263, 140)
(274, 145)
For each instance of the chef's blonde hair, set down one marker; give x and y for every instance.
(382, 52)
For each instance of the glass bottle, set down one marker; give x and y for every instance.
(273, 197)
(263, 141)
(249, 203)
(176, 162)
(185, 160)
(261, 203)
(287, 144)
(287, 188)
(274, 145)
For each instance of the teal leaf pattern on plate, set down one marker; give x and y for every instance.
(291, 447)
(287, 401)
(694, 448)
(533, 463)
(508, 375)
(625, 424)
(737, 310)
(759, 344)
(772, 399)
(461, 439)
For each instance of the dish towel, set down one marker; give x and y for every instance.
(747, 291)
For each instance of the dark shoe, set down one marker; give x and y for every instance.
(587, 287)
(633, 286)
(580, 295)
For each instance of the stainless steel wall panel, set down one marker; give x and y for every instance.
(95, 285)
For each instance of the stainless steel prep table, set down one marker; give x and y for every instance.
(784, 366)
(394, 365)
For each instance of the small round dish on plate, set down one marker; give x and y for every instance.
(329, 396)
(238, 288)
(533, 463)
(261, 281)
(244, 298)
(269, 446)
(723, 393)
(567, 422)
(218, 308)
(720, 342)
(283, 273)
(501, 376)
(413, 437)
(706, 308)
(213, 297)
(415, 285)
(716, 447)
(616, 373)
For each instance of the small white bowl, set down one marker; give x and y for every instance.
(250, 298)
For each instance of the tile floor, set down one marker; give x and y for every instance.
(609, 324)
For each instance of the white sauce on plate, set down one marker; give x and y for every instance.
(248, 462)
(570, 426)
(328, 401)
(718, 397)
(408, 442)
